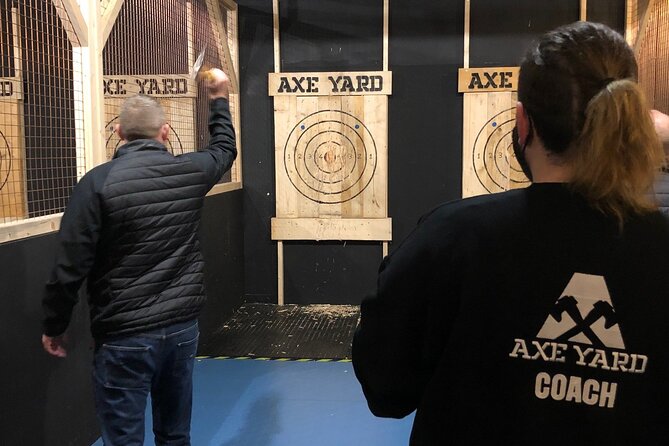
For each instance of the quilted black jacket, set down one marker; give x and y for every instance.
(131, 229)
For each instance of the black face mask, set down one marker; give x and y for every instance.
(520, 151)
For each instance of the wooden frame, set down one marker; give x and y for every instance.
(91, 28)
(642, 26)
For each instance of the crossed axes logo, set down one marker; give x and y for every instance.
(601, 309)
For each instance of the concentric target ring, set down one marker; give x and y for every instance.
(494, 162)
(330, 156)
(5, 161)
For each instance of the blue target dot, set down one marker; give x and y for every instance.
(302, 127)
(357, 126)
(494, 124)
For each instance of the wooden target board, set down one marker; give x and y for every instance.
(489, 116)
(331, 159)
(13, 194)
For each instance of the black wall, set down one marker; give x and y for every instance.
(425, 114)
(49, 401)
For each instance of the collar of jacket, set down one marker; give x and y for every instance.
(139, 145)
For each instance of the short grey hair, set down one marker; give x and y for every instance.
(141, 117)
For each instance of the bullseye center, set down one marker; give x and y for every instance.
(330, 156)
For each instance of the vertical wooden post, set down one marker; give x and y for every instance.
(279, 252)
(629, 8)
(643, 25)
(277, 69)
(277, 52)
(386, 18)
(468, 13)
(91, 58)
(583, 16)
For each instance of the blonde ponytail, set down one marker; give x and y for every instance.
(618, 154)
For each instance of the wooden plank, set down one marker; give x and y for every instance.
(489, 165)
(156, 85)
(280, 284)
(355, 83)
(75, 18)
(583, 13)
(11, 88)
(379, 229)
(492, 79)
(29, 228)
(277, 47)
(94, 102)
(468, 15)
(107, 21)
(386, 16)
(13, 194)
(230, 5)
(221, 37)
(630, 20)
(642, 27)
(237, 167)
(222, 188)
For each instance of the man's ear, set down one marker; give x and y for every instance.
(522, 122)
(119, 131)
(164, 132)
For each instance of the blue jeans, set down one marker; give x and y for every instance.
(125, 371)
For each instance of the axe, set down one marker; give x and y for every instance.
(197, 67)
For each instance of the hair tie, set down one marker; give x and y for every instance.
(606, 82)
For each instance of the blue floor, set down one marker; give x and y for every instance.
(273, 403)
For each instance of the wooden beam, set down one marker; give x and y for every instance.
(108, 19)
(216, 20)
(629, 6)
(94, 106)
(237, 118)
(76, 19)
(642, 27)
(222, 188)
(361, 229)
(229, 4)
(29, 228)
(280, 284)
(468, 13)
(386, 16)
(583, 16)
(277, 49)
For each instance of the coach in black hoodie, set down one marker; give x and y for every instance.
(131, 229)
(538, 316)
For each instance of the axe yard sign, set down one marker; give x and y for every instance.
(489, 116)
(330, 153)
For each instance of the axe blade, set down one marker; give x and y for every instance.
(197, 66)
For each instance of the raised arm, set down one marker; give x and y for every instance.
(218, 156)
